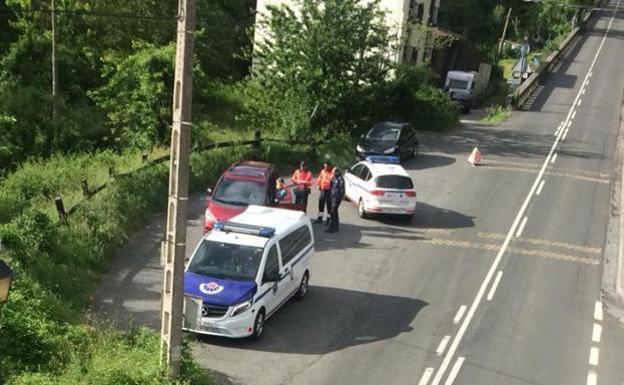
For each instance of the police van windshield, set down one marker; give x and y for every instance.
(240, 192)
(398, 182)
(226, 260)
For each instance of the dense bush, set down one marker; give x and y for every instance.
(412, 97)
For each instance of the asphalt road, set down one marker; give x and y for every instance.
(469, 292)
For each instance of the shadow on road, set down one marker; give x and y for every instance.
(329, 320)
(501, 141)
(427, 217)
(130, 295)
(424, 161)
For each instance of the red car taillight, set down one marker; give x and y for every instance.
(410, 194)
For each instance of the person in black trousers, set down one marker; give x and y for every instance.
(336, 195)
(323, 183)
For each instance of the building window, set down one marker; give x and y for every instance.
(410, 55)
(416, 11)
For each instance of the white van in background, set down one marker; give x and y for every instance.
(460, 87)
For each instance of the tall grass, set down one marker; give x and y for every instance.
(38, 182)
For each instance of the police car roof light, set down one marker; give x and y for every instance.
(383, 159)
(242, 228)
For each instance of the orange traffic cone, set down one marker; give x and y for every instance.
(475, 157)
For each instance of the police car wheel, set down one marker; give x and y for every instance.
(303, 287)
(258, 326)
(362, 210)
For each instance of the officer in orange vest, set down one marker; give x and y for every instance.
(302, 179)
(323, 182)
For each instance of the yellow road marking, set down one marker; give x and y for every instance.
(539, 166)
(552, 173)
(436, 230)
(515, 250)
(536, 241)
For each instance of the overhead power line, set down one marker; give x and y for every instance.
(95, 13)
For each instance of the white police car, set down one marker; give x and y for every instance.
(379, 185)
(245, 269)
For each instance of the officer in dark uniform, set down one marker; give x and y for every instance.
(336, 195)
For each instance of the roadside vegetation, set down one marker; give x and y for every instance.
(496, 114)
(113, 106)
(480, 23)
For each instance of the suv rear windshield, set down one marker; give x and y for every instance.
(384, 132)
(226, 260)
(240, 192)
(394, 181)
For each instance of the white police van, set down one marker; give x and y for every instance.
(380, 185)
(245, 269)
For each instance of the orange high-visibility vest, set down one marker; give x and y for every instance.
(324, 179)
(302, 178)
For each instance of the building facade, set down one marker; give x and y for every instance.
(410, 21)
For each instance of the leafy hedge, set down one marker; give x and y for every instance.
(412, 97)
(45, 333)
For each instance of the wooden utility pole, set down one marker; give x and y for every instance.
(502, 40)
(54, 71)
(175, 236)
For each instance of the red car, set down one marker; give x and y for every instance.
(243, 184)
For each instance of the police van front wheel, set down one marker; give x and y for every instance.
(258, 325)
(303, 287)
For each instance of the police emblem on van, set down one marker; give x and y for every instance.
(210, 288)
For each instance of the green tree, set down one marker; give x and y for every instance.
(137, 95)
(318, 68)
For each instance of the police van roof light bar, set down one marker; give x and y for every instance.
(383, 159)
(241, 228)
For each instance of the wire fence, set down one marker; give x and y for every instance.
(89, 192)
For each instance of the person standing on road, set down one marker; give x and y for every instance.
(302, 179)
(323, 182)
(337, 193)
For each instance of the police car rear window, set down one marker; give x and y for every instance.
(394, 181)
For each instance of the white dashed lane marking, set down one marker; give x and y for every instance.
(424, 380)
(495, 285)
(541, 186)
(594, 354)
(598, 311)
(596, 333)
(459, 314)
(521, 228)
(442, 345)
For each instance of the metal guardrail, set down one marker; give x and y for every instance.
(525, 89)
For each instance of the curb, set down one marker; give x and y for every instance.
(613, 263)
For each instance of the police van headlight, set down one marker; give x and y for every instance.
(241, 308)
(389, 150)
